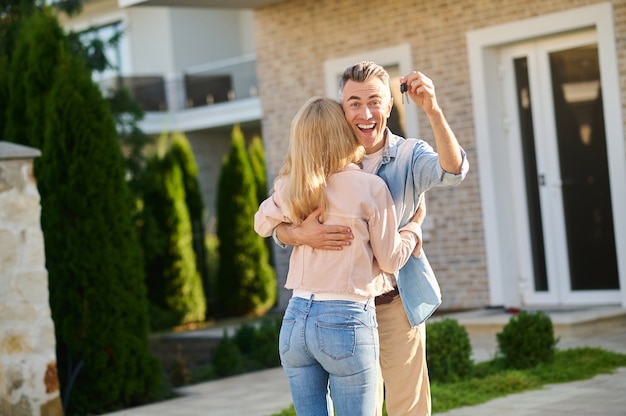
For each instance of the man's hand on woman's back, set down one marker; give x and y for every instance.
(315, 234)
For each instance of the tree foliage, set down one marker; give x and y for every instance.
(246, 283)
(13, 12)
(31, 78)
(181, 150)
(174, 284)
(257, 162)
(96, 279)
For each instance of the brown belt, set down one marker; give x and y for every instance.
(386, 297)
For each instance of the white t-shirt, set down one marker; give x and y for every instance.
(370, 163)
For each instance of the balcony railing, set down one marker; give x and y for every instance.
(149, 91)
(202, 85)
(221, 81)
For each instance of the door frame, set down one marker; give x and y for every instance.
(507, 272)
(554, 233)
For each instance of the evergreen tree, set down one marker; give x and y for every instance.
(97, 295)
(256, 154)
(31, 78)
(12, 13)
(174, 284)
(4, 92)
(127, 114)
(246, 283)
(257, 161)
(181, 150)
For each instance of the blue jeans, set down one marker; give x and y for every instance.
(330, 346)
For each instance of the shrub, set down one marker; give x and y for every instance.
(227, 358)
(527, 340)
(252, 347)
(448, 351)
(245, 337)
(265, 349)
(259, 343)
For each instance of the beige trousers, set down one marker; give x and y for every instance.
(402, 362)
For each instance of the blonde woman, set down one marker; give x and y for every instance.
(328, 339)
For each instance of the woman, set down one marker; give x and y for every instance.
(328, 338)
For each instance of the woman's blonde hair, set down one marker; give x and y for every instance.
(320, 143)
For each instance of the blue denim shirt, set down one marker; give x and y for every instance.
(410, 167)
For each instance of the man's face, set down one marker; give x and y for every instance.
(367, 105)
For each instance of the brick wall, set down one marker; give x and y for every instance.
(295, 38)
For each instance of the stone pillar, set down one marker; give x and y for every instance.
(28, 378)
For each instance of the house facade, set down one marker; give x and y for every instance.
(192, 69)
(535, 92)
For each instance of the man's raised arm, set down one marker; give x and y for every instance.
(422, 91)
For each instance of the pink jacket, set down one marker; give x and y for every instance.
(362, 202)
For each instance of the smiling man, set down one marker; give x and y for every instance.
(409, 167)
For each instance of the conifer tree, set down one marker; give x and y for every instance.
(4, 92)
(181, 150)
(12, 14)
(97, 295)
(174, 283)
(31, 78)
(256, 153)
(257, 161)
(246, 283)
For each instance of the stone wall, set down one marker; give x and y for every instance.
(28, 378)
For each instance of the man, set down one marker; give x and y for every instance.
(409, 167)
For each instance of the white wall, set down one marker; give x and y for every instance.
(163, 40)
(150, 40)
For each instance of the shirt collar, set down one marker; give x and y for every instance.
(390, 149)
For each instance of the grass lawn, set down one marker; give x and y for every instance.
(489, 380)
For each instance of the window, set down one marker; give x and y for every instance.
(111, 37)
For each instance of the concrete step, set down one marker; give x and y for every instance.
(567, 322)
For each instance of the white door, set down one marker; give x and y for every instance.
(557, 145)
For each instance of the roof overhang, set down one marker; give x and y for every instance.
(231, 4)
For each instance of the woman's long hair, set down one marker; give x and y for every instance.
(320, 143)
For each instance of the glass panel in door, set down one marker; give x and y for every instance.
(531, 179)
(581, 144)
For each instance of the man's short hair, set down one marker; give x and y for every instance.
(363, 71)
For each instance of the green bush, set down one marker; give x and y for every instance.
(245, 337)
(448, 351)
(227, 358)
(259, 343)
(253, 346)
(265, 349)
(527, 340)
